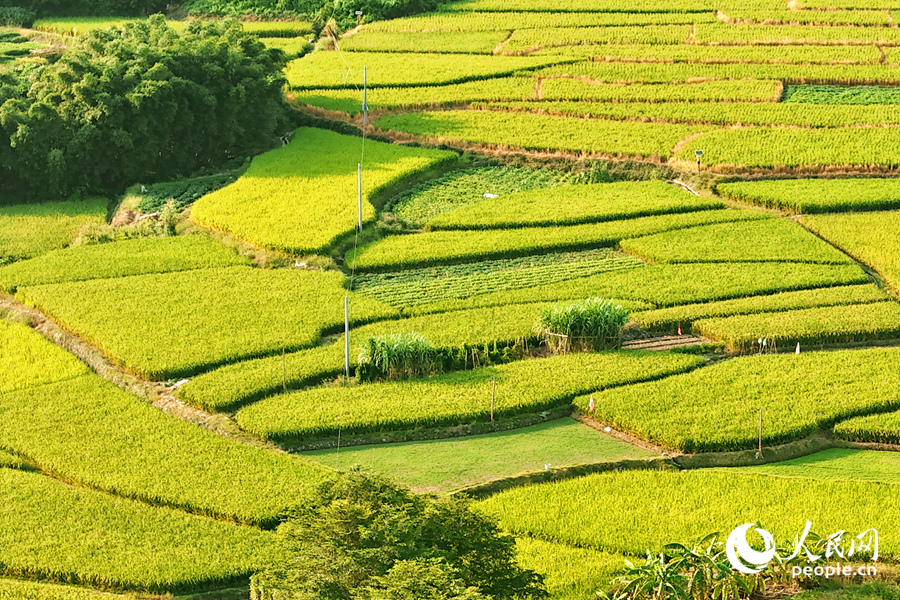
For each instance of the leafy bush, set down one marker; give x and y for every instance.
(397, 546)
(114, 127)
(396, 356)
(16, 16)
(592, 323)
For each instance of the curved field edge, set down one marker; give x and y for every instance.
(593, 511)
(318, 169)
(57, 532)
(526, 386)
(718, 408)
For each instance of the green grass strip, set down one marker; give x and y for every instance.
(119, 259)
(836, 463)
(453, 398)
(295, 198)
(169, 325)
(770, 240)
(817, 195)
(672, 285)
(608, 511)
(539, 132)
(882, 428)
(53, 531)
(442, 465)
(717, 408)
(823, 325)
(232, 385)
(28, 230)
(574, 205)
(449, 247)
(9, 461)
(669, 318)
(29, 360)
(870, 237)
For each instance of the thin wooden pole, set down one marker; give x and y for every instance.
(760, 432)
(493, 394)
(365, 105)
(359, 194)
(347, 337)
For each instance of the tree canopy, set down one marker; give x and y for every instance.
(140, 102)
(361, 537)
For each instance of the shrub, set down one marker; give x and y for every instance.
(360, 532)
(397, 356)
(16, 16)
(592, 323)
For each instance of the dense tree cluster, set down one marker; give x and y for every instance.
(360, 537)
(139, 103)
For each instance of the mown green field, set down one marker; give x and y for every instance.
(442, 465)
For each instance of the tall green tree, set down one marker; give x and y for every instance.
(144, 102)
(361, 537)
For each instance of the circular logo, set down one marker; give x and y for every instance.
(737, 548)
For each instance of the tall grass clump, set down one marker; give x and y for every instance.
(589, 324)
(397, 356)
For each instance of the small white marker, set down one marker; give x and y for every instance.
(490, 195)
(608, 429)
(797, 351)
(547, 467)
